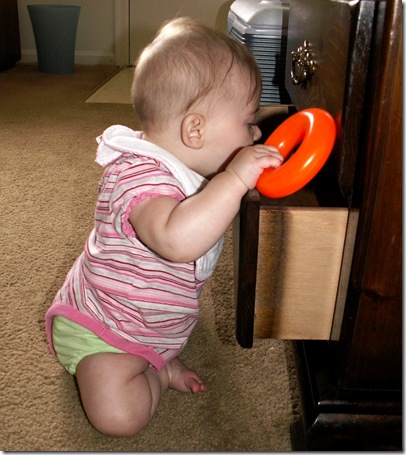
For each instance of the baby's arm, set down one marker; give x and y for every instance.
(184, 231)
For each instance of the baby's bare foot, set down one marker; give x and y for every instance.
(183, 379)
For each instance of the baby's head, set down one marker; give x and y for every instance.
(189, 66)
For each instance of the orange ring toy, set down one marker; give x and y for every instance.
(314, 129)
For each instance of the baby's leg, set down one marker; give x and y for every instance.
(120, 392)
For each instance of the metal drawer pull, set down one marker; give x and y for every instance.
(303, 66)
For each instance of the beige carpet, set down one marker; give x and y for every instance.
(48, 190)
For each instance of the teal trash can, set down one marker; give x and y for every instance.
(54, 29)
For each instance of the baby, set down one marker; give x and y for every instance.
(168, 194)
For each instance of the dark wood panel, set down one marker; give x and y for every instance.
(339, 34)
(375, 355)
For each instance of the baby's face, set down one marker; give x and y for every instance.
(231, 126)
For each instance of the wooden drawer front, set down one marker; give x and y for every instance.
(338, 35)
(326, 25)
(300, 251)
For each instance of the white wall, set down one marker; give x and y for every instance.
(95, 34)
(146, 16)
(106, 26)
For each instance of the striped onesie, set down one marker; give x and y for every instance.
(119, 289)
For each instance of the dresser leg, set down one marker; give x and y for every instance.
(332, 421)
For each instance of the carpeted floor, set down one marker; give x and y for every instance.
(48, 190)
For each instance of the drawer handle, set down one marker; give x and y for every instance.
(303, 65)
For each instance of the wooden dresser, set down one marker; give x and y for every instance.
(323, 267)
(10, 52)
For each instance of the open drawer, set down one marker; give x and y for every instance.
(291, 267)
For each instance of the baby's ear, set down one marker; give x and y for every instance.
(192, 130)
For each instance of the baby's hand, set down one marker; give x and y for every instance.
(250, 162)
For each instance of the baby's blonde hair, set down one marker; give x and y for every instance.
(184, 63)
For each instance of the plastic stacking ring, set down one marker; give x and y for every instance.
(314, 129)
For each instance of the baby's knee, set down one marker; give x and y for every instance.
(118, 424)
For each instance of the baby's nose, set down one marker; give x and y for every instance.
(257, 133)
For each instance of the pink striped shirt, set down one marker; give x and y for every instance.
(119, 289)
